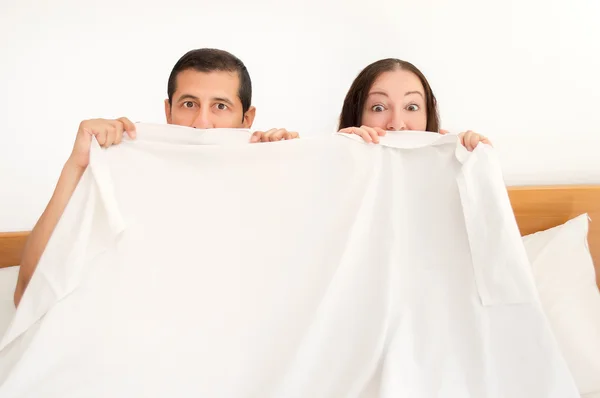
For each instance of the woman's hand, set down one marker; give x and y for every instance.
(369, 134)
(470, 140)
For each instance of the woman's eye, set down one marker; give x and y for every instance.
(413, 108)
(221, 106)
(378, 108)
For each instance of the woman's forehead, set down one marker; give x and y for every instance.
(397, 82)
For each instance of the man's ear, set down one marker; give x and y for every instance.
(249, 117)
(168, 111)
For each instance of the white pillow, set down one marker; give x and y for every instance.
(8, 281)
(566, 281)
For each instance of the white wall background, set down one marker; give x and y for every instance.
(526, 73)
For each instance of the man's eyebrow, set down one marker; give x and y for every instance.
(223, 99)
(216, 99)
(187, 97)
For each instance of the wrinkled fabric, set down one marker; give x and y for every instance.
(191, 263)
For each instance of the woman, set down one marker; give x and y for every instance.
(392, 95)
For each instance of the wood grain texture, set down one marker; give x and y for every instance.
(11, 247)
(536, 209)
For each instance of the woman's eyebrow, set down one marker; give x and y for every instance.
(414, 92)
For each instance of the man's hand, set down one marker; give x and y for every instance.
(273, 135)
(107, 132)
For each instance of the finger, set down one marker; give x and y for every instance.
(486, 140)
(277, 135)
(461, 137)
(88, 134)
(287, 135)
(119, 127)
(380, 131)
(362, 133)
(128, 126)
(100, 137)
(266, 137)
(257, 136)
(110, 136)
(358, 131)
(474, 139)
(467, 141)
(372, 133)
(292, 135)
(443, 132)
(352, 130)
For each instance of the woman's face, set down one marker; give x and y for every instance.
(396, 101)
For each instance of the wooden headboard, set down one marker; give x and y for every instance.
(11, 247)
(536, 209)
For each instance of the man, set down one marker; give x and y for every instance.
(207, 88)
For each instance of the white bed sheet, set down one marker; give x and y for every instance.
(8, 281)
(192, 264)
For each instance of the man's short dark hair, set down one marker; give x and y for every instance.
(213, 60)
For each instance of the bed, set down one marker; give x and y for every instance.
(536, 208)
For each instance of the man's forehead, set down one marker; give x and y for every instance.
(212, 84)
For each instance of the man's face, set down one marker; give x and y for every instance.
(208, 100)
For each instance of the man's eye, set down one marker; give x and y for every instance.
(188, 104)
(221, 106)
